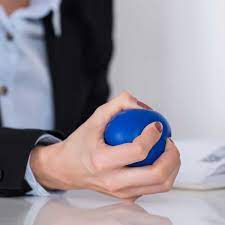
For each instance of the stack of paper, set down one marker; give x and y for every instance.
(203, 164)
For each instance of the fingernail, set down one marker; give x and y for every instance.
(143, 105)
(159, 127)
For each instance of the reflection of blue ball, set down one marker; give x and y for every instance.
(128, 124)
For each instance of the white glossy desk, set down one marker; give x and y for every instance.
(89, 208)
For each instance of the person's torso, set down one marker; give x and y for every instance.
(74, 57)
(24, 70)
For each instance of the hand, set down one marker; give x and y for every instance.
(84, 161)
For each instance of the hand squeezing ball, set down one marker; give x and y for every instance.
(128, 124)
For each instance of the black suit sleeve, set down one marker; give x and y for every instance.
(99, 52)
(15, 148)
(97, 19)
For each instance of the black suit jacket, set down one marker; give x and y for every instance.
(78, 61)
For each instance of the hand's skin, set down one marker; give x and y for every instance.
(60, 213)
(84, 161)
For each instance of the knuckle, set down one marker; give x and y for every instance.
(99, 116)
(99, 111)
(167, 186)
(140, 152)
(176, 156)
(126, 95)
(98, 164)
(177, 153)
(111, 187)
(161, 176)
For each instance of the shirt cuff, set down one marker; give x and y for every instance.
(37, 189)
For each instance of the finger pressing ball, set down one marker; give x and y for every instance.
(129, 124)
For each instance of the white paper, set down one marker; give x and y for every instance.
(202, 164)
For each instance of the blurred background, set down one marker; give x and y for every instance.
(171, 54)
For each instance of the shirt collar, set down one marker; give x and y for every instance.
(38, 9)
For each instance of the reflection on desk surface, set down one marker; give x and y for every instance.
(89, 208)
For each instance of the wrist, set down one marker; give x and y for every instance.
(44, 163)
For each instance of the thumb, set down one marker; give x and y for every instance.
(104, 113)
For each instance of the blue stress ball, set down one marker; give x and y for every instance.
(128, 124)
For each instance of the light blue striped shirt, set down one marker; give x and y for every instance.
(24, 71)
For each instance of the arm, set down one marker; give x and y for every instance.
(97, 20)
(15, 148)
